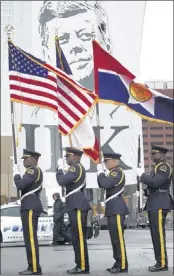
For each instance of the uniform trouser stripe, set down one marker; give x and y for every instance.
(32, 243)
(160, 228)
(122, 248)
(81, 239)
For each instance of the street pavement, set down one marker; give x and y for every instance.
(56, 260)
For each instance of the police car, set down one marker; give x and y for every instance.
(11, 225)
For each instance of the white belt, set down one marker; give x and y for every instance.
(31, 192)
(75, 190)
(113, 196)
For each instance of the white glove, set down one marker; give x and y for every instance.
(107, 172)
(60, 164)
(137, 193)
(65, 168)
(100, 169)
(63, 199)
(139, 171)
(15, 169)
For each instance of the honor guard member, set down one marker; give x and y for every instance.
(115, 208)
(30, 186)
(77, 206)
(159, 203)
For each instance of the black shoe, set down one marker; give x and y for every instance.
(109, 269)
(77, 270)
(116, 270)
(29, 272)
(70, 242)
(53, 244)
(157, 268)
(114, 266)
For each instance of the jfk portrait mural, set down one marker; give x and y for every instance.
(78, 23)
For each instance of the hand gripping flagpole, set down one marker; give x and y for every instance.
(9, 29)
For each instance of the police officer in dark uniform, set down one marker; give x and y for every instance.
(115, 208)
(77, 206)
(159, 203)
(30, 186)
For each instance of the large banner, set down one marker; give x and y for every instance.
(117, 25)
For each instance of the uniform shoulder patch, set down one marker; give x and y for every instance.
(72, 169)
(163, 168)
(114, 174)
(30, 171)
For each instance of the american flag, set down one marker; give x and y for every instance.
(76, 106)
(35, 82)
(29, 82)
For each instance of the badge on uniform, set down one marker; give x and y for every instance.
(30, 171)
(114, 174)
(72, 169)
(163, 168)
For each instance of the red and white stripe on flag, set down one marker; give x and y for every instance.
(84, 137)
(71, 103)
(74, 104)
(34, 90)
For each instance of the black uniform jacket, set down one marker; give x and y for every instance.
(113, 183)
(30, 181)
(158, 183)
(73, 179)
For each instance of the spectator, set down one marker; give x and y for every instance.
(58, 219)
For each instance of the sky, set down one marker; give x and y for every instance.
(157, 42)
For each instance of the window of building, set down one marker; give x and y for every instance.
(146, 158)
(159, 143)
(145, 143)
(169, 143)
(145, 135)
(168, 127)
(145, 151)
(169, 135)
(146, 166)
(145, 127)
(169, 158)
(156, 128)
(156, 135)
(170, 150)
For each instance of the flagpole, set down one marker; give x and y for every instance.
(9, 30)
(98, 118)
(139, 185)
(60, 135)
(99, 141)
(62, 68)
(97, 104)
